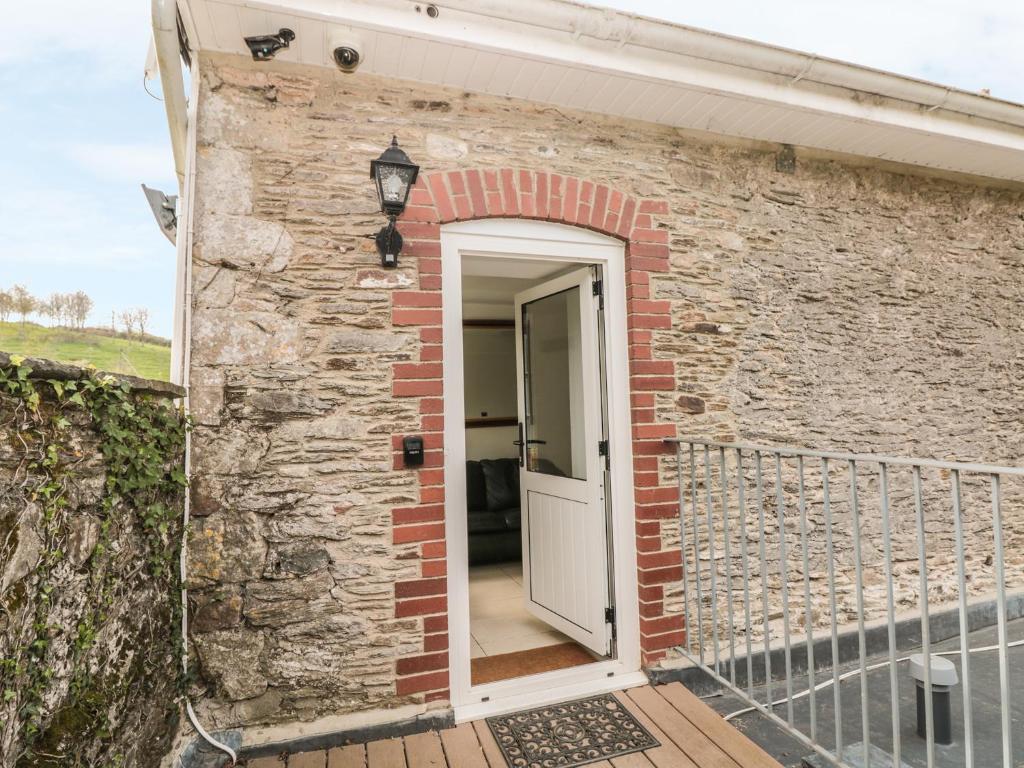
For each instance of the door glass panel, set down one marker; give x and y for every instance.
(553, 370)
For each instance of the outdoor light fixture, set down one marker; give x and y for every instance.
(164, 209)
(394, 174)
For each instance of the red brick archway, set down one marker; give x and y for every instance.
(443, 197)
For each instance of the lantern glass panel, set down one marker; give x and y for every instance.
(394, 184)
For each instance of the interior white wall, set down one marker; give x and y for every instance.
(489, 366)
(491, 443)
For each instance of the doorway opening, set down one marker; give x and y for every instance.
(545, 329)
(538, 535)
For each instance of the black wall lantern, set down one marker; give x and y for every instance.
(394, 174)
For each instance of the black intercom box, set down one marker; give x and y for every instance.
(412, 450)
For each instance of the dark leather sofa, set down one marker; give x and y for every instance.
(495, 520)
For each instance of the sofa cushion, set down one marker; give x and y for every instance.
(501, 479)
(476, 493)
(514, 518)
(487, 522)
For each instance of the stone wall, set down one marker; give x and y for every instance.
(836, 306)
(90, 642)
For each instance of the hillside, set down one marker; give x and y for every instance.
(90, 345)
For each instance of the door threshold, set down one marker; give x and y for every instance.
(501, 705)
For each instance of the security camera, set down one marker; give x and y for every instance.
(346, 57)
(346, 51)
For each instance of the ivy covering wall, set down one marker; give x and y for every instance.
(92, 488)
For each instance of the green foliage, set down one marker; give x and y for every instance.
(88, 346)
(142, 440)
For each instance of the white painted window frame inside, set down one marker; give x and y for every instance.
(523, 239)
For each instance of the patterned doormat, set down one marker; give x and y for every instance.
(569, 734)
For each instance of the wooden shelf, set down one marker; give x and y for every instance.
(491, 421)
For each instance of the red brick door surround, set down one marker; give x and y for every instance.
(443, 197)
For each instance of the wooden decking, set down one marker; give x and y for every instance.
(692, 735)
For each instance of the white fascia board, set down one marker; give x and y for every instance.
(614, 44)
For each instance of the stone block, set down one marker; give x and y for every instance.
(292, 601)
(225, 548)
(231, 659)
(225, 337)
(223, 182)
(243, 243)
(215, 609)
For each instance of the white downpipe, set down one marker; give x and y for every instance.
(165, 38)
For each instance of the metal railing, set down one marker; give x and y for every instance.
(803, 569)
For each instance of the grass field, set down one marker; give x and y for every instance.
(108, 353)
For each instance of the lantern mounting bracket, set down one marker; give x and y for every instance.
(389, 244)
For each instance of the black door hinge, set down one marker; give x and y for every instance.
(609, 618)
(599, 292)
(602, 450)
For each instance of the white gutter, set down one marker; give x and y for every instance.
(623, 27)
(165, 40)
(626, 46)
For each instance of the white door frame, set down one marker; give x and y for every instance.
(524, 239)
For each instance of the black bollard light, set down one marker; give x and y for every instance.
(943, 678)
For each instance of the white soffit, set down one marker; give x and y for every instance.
(591, 59)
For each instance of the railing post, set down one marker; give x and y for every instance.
(711, 557)
(861, 639)
(742, 504)
(894, 683)
(926, 642)
(728, 563)
(1004, 665)
(682, 548)
(696, 553)
(784, 580)
(834, 609)
(759, 480)
(965, 659)
(808, 612)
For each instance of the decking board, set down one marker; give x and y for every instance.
(736, 744)
(692, 735)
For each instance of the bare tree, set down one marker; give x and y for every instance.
(24, 302)
(141, 320)
(81, 306)
(6, 305)
(127, 320)
(52, 308)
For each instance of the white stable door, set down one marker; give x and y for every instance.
(562, 471)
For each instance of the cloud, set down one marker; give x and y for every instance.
(108, 36)
(135, 163)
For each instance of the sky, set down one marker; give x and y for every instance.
(81, 133)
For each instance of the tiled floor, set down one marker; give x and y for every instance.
(499, 622)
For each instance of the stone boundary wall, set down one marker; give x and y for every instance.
(90, 642)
